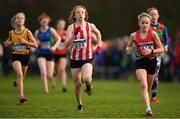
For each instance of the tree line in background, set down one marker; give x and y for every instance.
(113, 17)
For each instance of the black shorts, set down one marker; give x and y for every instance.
(148, 64)
(24, 59)
(80, 63)
(48, 57)
(57, 57)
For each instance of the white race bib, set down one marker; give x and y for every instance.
(147, 45)
(61, 46)
(18, 47)
(45, 45)
(79, 43)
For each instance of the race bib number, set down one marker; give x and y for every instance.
(61, 46)
(79, 43)
(45, 45)
(148, 45)
(19, 47)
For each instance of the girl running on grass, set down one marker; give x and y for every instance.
(46, 48)
(162, 32)
(147, 45)
(81, 57)
(60, 55)
(20, 39)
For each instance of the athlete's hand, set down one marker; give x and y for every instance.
(52, 48)
(166, 49)
(98, 50)
(78, 29)
(7, 43)
(146, 51)
(128, 50)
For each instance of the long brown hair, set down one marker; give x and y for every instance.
(71, 17)
(43, 15)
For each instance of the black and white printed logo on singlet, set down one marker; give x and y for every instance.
(61, 46)
(45, 45)
(79, 43)
(147, 45)
(18, 47)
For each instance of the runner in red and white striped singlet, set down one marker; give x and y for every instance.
(79, 38)
(82, 49)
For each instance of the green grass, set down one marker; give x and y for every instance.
(110, 99)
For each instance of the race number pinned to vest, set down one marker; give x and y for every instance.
(61, 46)
(45, 45)
(148, 45)
(19, 47)
(79, 43)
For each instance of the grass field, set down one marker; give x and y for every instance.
(110, 99)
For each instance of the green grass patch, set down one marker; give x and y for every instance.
(110, 99)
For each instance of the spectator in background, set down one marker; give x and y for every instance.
(176, 57)
(1, 55)
(6, 61)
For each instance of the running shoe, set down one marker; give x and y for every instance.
(88, 89)
(22, 99)
(46, 93)
(64, 89)
(15, 83)
(155, 100)
(148, 113)
(80, 107)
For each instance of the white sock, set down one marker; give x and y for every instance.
(148, 109)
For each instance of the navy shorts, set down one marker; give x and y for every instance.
(24, 59)
(48, 57)
(80, 63)
(45, 53)
(148, 64)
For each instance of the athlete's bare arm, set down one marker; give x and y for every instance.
(130, 43)
(98, 34)
(69, 36)
(58, 39)
(32, 42)
(159, 47)
(36, 36)
(8, 42)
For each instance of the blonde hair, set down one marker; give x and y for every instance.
(13, 23)
(144, 14)
(152, 8)
(71, 17)
(43, 15)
